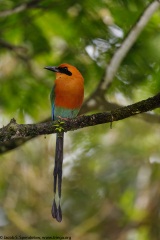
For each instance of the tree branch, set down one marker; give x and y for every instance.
(121, 52)
(128, 43)
(17, 131)
(10, 145)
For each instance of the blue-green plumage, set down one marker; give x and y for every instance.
(61, 111)
(52, 97)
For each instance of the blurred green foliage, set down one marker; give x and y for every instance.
(111, 176)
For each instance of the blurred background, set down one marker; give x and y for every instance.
(111, 186)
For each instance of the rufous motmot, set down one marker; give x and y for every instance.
(66, 99)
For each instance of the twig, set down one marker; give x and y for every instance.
(10, 46)
(13, 11)
(19, 9)
(19, 51)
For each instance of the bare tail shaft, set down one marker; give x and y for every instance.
(57, 173)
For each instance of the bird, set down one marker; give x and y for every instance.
(66, 99)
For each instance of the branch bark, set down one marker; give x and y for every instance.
(17, 131)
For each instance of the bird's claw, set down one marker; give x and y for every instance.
(62, 118)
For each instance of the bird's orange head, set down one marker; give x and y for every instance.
(66, 70)
(68, 86)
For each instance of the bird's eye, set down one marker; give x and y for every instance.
(65, 68)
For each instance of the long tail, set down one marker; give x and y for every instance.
(57, 173)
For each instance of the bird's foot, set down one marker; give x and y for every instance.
(62, 118)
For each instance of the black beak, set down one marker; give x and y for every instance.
(53, 69)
